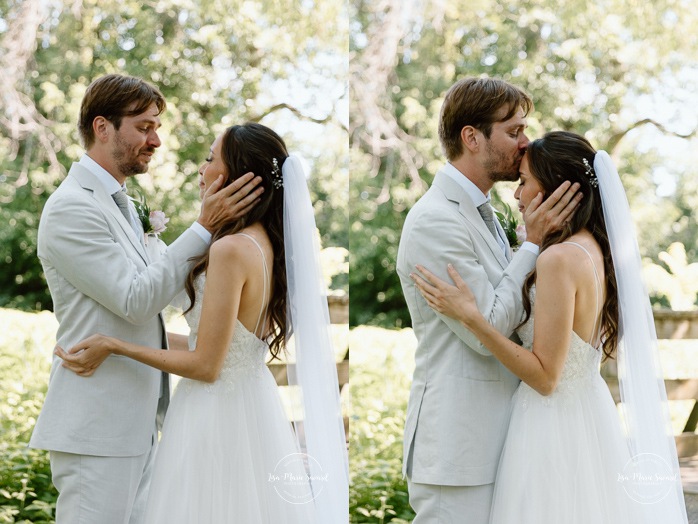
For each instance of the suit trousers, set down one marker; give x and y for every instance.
(436, 504)
(102, 490)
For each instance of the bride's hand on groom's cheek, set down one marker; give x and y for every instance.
(232, 202)
(544, 217)
(455, 301)
(85, 357)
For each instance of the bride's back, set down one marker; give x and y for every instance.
(257, 263)
(589, 279)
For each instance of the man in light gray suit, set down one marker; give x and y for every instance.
(101, 430)
(458, 409)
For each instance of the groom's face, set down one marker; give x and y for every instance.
(135, 142)
(505, 147)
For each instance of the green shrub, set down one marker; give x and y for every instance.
(26, 341)
(381, 372)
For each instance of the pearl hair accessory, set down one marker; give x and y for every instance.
(278, 180)
(589, 171)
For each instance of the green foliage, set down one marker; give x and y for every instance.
(217, 62)
(379, 384)
(678, 283)
(26, 491)
(22, 283)
(603, 70)
(373, 278)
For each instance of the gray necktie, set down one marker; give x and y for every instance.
(487, 215)
(121, 200)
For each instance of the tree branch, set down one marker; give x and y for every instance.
(617, 137)
(373, 123)
(299, 114)
(20, 116)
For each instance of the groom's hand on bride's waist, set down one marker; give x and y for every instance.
(544, 217)
(231, 202)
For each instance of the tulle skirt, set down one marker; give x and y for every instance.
(228, 455)
(564, 459)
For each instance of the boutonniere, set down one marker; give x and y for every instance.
(515, 232)
(153, 222)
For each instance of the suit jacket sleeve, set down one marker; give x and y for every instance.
(498, 301)
(80, 243)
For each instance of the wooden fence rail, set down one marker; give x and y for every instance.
(672, 325)
(339, 314)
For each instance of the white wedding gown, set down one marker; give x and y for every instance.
(563, 453)
(226, 453)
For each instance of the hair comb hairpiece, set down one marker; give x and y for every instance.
(278, 180)
(589, 171)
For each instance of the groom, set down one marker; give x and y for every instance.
(458, 409)
(101, 430)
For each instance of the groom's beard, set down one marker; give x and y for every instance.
(126, 160)
(501, 168)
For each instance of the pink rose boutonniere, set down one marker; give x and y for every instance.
(158, 221)
(520, 234)
(153, 222)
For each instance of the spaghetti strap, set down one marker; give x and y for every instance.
(596, 288)
(264, 293)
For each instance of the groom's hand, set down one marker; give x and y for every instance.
(543, 218)
(231, 202)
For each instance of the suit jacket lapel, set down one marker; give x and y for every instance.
(466, 207)
(88, 181)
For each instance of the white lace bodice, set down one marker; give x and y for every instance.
(246, 353)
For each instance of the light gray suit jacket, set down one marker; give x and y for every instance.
(102, 281)
(458, 411)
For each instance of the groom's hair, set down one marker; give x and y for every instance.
(475, 102)
(114, 97)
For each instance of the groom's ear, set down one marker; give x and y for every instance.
(471, 138)
(100, 126)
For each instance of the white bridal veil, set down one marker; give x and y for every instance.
(652, 477)
(322, 433)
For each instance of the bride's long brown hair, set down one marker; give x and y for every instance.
(557, 157)
(254, 147)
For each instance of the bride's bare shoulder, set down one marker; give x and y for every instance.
(557, 256)
(567, 257)
(241, 247)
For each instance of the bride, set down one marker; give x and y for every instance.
(228, 452)
(566, 457)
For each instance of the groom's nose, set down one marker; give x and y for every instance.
(523, 141)
(153, 139)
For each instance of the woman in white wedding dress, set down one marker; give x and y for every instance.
(228, 453)
(566, 457)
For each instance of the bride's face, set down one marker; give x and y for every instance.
(528, 186)
(212, 167)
